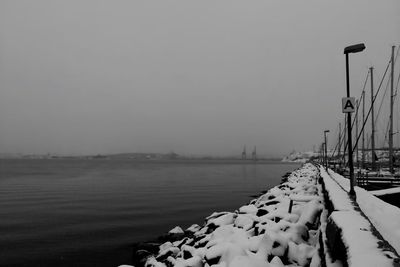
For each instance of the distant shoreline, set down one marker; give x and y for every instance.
(179, 161)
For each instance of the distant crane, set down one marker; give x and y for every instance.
(244, 155)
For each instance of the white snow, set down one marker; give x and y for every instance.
(385, 217)
(362, 246)
(262, 233)
(195, 261)
(388, 191)
(265, 234)
(223, 220)
(176, 230)
(300, 157)
(193, 228)
(356, 229)
(337, 195)
(251, 209)
(244, 221)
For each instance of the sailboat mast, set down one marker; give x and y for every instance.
(391, 116)
(340, 135)
(363, 136)
(372, 119)
(356, 117)
(344, 143)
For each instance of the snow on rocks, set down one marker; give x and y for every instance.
(194, 228)
(307, 220)
(176, 230)
(263, 233)
(249, 209)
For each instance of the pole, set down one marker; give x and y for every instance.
(340, 135)
(350, 146)
(372, 119)
(344, 142)
(391, 116)
(326, 152)
(357, 105)
(321, 153)
(363, 135)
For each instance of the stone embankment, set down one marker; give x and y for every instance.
(307, 220)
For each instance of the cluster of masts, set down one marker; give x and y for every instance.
(253, 154)
(337, 156)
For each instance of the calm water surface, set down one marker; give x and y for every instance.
(89, 212)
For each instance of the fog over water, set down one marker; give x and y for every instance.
(194, 77)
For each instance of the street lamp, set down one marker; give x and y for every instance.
(347, 50)
(326, 150)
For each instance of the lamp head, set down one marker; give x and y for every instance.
(354, 48)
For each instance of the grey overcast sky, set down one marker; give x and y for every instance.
(194, 77)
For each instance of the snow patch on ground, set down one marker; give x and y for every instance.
(385, 217)
(383, 192)
(362, 245)
(339, 197)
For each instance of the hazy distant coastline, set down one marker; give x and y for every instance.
(140, 157)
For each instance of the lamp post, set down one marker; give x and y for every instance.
(326, 150)
(347, 50)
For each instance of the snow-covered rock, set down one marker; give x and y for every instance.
(176, 230)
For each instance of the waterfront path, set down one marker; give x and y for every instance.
(361, 232)
(307, 220)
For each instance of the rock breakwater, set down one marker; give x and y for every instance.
(279, 228)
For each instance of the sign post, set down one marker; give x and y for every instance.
(349, 107)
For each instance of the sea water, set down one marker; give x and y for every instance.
(78, 212)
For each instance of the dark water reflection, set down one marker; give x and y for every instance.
(88, 212)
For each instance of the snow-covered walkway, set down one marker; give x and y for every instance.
(384, 217)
